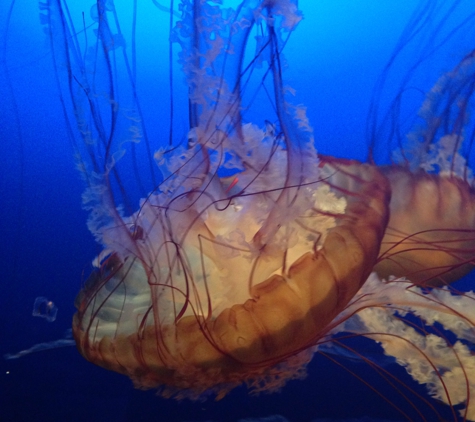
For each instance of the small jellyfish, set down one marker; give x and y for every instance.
(45, 308)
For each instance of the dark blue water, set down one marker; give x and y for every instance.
(334, 60)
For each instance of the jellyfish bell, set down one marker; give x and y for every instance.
(217, 338)
(430, 237)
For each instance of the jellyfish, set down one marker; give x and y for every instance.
(248, 252)
(169, 266)
(430, 162)
(430, 236)
(428, 243)
(45, 308)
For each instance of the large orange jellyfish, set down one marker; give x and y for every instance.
(251, 252)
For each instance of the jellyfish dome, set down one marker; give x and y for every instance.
(248, 252)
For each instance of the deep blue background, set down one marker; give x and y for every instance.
(335, 58)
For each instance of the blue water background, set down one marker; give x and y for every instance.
(334, 60)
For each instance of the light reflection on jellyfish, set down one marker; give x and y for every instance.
(249, 253)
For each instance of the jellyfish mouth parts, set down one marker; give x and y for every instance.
(185, 327)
